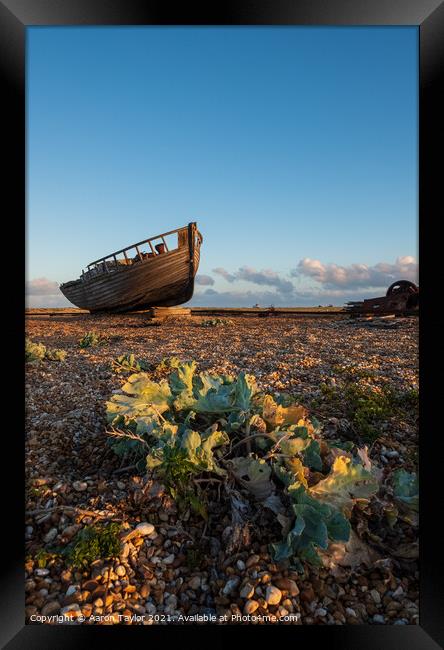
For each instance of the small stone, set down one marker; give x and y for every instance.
(252, 560)
(120, 485)
(90, 585)
(285, 584)
(51, 608)
(378, 618)
(375, 595)
(70, 531)
(171, 601)
(398, 592)
(250, 606)
(350, 612)
(282, 611)
(80, 486)
(38, 482)
(194, 583)
(231, 585)
(50, 535)
(71, 590)
(71, 609)
(308, 594)
(144, 528)
(125, 551)
(247, 590)
(273, 595)
(240, 565)
(41, 572)
(121, 571)
(321, 612)
(169, 559)
(150, 608)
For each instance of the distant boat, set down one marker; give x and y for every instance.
(134, 279)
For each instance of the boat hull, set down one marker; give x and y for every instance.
(165, 280)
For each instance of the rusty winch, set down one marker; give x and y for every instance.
(401, 299)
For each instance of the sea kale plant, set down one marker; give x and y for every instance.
(128, 363)
(195, 427)
(91, 339)
(36, 352)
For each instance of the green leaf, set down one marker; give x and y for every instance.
(215, 401)
(346, 481)
(181, 379)
(311, 456)
(405, 488)
(143, 398)
(277, 415)
(254, 475)
(245, 388)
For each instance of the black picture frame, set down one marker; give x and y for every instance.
(428, 15)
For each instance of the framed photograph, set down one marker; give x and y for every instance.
(225, 372)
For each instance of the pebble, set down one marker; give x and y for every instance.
(171, 601)
(350, 612)
(250, 606)
(70, 531)
(41, 572)
(121, 571)
(50, 535)
(252, 560)
(51, 608)
(70, 608)
(285, 584)
(90, 585)
(144, 528)
(247, 590)
(194, 583)
(321, 612)
(169, 559)
(273, 595)
(240, 565)
(71, 590)
(231, 585)
(80, 486)
(378, 618)
(375, 595)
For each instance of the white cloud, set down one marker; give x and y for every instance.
(204, 280)
(354, 276)
(266, 277)
(42, 287)
(41, 293)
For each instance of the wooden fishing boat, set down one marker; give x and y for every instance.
(155, 272)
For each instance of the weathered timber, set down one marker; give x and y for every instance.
(165, 278)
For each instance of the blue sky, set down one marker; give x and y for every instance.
(294, 148)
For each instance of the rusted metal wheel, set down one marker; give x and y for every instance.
(402, 286)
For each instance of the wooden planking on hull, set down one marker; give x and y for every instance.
(167, 279)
